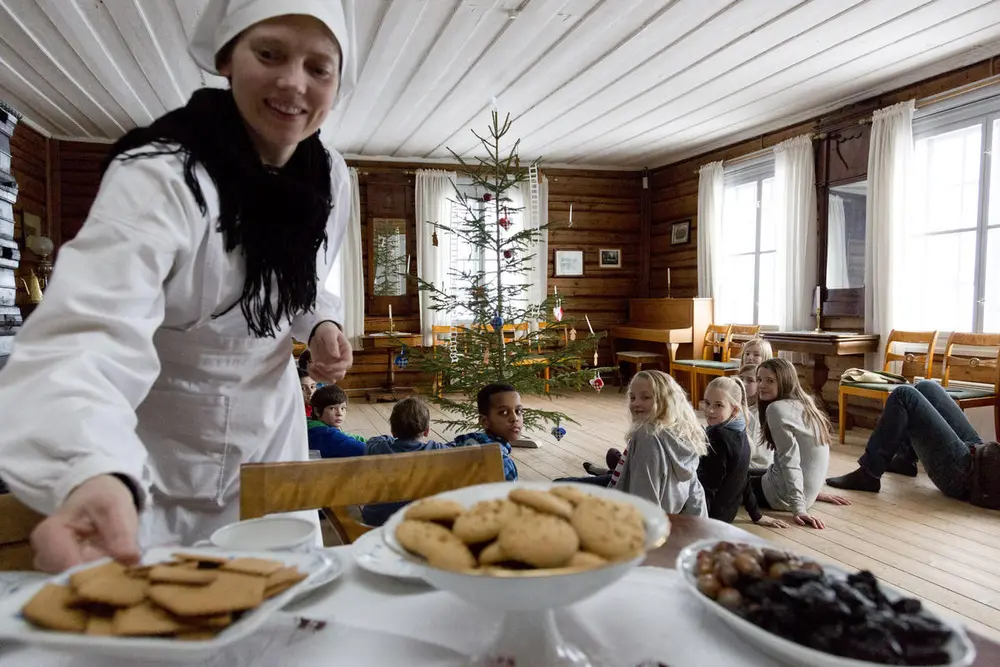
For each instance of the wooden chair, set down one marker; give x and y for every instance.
(914, 364)
(971, 367)
(15, 534)
(637, 358)
(730, 363)
(336, 484)
(717, 340)
(440, 337)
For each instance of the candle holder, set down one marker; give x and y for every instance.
(819, 326)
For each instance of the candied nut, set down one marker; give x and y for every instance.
(727, 573)
(748, 566)
(778, 569)
(729, 598)
(709, 585)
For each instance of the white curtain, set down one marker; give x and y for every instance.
(890, 158)
(795, 208)
(347, 277)
(538, 267)
(711, 194)
(434, 191)
(836, 246)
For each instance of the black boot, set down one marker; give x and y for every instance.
(901, 466)
(858, 480)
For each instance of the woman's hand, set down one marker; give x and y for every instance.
(97, 519)
(832, 499)
(771, 522)
(811, 521)
(330, 353)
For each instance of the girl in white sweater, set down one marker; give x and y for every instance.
(799, 434)
(665, 444)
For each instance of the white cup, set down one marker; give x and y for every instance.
(269, 533)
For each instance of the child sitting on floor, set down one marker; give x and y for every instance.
(665, 443)
(723, 471)
(798, 433)
(760, 454)
(329, 406)
(410, 423)
(755, 351)
(308, 389)
(502, 417)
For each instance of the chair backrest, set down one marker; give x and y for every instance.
(268, 488)
(717, 338)
(977, 365)
(15, 533)
(746, 332)
(441, 335)
(914, 363)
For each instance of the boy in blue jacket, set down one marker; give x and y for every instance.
(329, 407)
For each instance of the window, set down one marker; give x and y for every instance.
(951, 251)
(748, 259)
(467, 258)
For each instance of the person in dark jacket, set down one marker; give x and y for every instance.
(724, 471)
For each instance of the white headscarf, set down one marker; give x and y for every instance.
(221, 20)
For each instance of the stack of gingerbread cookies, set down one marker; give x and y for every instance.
(562, 529)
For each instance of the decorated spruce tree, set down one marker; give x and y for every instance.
(497, 334)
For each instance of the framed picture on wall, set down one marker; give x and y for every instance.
(568, 263)
(610, 258)
(680, 232)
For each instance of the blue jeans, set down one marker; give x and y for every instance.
(927, 419)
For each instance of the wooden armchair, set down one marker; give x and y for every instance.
(914, 364)
(717, 340)
(335, 484)
(15, 534)
(441, 342)
(979, 366)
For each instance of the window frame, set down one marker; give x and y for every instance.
(981, 110)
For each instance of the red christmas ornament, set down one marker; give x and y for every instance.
(504, 222)
(487, 197)
(508, 254)
(597, 383)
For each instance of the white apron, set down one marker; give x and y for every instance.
(220, 401)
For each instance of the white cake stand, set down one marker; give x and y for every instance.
(528, 636)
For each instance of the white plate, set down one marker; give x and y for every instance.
(371, 553)
(14, 627)
(960, 649)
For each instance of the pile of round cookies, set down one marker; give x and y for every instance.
(527, 531)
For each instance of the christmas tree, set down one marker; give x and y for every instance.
(390, 279)
(497, 339)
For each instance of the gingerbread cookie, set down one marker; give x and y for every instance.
(436, 543)
(483, 521)
(542, 501)
(492, 555)
(434, 509)
(613, 530)
(570, 494)
(545, 541)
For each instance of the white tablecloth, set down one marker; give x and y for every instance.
(373, 621)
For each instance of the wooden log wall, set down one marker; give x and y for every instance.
(77, 170)
(674, 195)
(29, 164)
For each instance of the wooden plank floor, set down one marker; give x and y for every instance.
(944, 551)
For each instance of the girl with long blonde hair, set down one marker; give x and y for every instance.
(798, 433)
(665, 443)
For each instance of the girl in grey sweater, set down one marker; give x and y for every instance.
(665, 444)
(799, 434)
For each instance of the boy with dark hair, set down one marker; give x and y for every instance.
(502, 417)
(329, 407)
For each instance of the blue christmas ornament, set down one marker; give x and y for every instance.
(401, 359)
(558, 432)
(497, 322)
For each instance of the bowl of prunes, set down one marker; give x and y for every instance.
(805, 613)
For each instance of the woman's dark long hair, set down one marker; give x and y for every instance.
(276, 217)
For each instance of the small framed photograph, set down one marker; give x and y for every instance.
(610, 258)
(568, 263)
(680, 232)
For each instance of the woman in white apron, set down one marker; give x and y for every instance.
(160, 359)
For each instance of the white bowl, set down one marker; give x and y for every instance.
(960, 649)
(529, 637)
(269, 533)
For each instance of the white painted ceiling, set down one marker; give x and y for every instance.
(624, 83)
